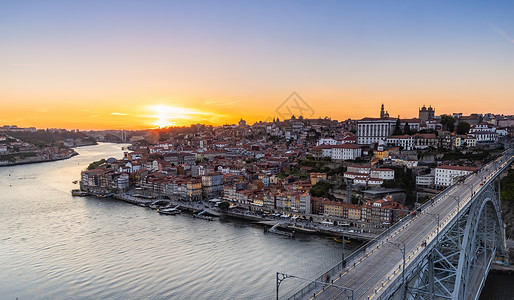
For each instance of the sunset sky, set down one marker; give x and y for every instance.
(142, 64)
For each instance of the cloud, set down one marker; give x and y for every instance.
(502, 33)
(118, 114)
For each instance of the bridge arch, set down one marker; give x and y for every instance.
(483, 237)
(456, 265)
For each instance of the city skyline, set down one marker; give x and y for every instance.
(131, 65)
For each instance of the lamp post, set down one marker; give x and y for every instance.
(437, 217)
(342, 254)
(456, 198)
(401, 247)
(345, 291)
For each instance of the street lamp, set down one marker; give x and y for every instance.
(344, 291)
(436, 216)
(401, 247)
(342, 255)
(456, 198)
(458, 211)
(470, 188)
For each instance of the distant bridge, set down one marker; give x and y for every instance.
(443, 252)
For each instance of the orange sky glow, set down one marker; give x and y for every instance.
(79, 66)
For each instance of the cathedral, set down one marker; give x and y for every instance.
(383, 114)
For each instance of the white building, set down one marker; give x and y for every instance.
(346, 151)
(470, 141)
(482, 127)
(425, 180)
(359, 169)
(485, 136)
(382, 173)
(414, 124)
(328, 141)
(404, 141)
(444, 175)
(373, 130)
(355, 171)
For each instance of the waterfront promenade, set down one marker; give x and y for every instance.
(297, 225)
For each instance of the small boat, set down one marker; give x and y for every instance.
(77, 192)
(104, 195)
(204, 217)
(169, 211)
(339, 240)
(275, 230)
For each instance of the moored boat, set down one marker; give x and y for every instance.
(169, 211)
(77, 192)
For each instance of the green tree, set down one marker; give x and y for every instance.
(321, 189)
(462, 127)
(406, 129)
(96, 164)
(397, 128)
(448, 122)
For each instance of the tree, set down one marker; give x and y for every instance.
(397, 128)
(462, 127)
(406, 128)
(321, 189)
(96, 164)
(448, 122)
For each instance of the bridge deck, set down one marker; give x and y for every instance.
(369, 274)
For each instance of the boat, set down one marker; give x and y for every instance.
(77, 192)
(275, 230)
(104, 195)
(339, 240)
(170, 210)
(202, 215)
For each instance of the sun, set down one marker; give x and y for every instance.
(162, 123)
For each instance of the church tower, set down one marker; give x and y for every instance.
(383, 114)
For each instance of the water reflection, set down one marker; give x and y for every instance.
(55, 246)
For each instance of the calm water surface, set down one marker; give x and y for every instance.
(55, 246)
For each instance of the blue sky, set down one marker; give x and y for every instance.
(349, 55)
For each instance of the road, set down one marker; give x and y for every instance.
(371, 274)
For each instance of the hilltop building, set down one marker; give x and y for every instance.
(426, 114)
(383, 114)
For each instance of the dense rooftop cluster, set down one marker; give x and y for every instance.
(301, 167)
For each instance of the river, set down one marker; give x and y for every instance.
(55, 246)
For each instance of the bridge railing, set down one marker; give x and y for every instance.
(320, 283)
(396, 284)
(360, 253)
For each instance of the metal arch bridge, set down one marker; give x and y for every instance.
(443, 252)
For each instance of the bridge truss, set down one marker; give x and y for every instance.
(455, 264)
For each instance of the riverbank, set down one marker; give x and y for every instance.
(500, 266)
(66, 247)
(37, 161)
(303, 226)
